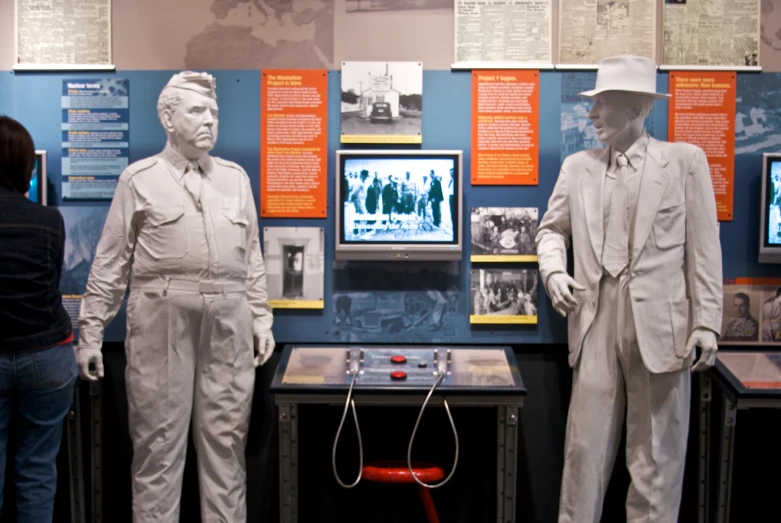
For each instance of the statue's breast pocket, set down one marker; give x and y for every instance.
(165, 236)
(669, 227)
(233, 232)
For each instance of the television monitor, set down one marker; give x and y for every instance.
(398, 205)
(37, 191)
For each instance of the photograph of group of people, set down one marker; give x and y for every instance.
(503, 296)
(752, 314)
(399, 200)
(504, 231)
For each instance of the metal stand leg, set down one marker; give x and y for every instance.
(73, 434)
(704, 448)
(288, 463)
(97, 451)
(507, 463)
(728, 419)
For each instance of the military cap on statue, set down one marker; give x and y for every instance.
(202, 83)
(633, 74)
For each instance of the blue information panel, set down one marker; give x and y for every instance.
(95, 137)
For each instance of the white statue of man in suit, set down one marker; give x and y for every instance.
(642, 217)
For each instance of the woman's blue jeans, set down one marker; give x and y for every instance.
(36, 390)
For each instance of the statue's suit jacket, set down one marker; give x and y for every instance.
(675, 260)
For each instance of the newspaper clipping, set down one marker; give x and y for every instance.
(58, 33)
(503, 31)
(593, 30)
(711, 32)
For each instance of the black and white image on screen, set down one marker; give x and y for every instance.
(500, 292)
(403, 200)
(504, 230)
(774, 205)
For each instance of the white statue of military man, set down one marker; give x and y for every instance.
(185, 223)
(642, 217)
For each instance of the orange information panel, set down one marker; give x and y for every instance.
(293, 144)
(752, 281)
(505, 127)
(702, 112)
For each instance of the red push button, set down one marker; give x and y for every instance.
(398, 375)
(398, 359)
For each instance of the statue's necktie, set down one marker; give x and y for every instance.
(615, 254)
(193, 182)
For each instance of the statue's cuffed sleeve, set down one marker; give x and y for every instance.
(555, 229)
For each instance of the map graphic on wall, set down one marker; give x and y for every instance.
(259, 34)
(577, 132)
(295, 265)
(382, 102)
(770, 35)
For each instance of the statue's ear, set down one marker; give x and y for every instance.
(634, 110)
(166, 119)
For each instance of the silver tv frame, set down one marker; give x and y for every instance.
(401, 252)
(767, 253)
(40, 159)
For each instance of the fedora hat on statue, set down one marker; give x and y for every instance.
(633, 74)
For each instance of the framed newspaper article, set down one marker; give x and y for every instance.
(62, 35)
(503, 34)
(711, 34)
(591, 31)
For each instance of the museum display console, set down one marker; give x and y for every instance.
(388, 375)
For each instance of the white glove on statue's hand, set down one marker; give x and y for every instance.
(705, 339)
(86, 356)
(558, 287)
(264, 347)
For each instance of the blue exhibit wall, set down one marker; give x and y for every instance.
(34, 99)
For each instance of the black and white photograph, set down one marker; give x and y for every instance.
(503, 296)
(399, 200)
(295, 266)
(382, 102)
(771, 315)
(613, 14)
(503, 233)
(741, 315)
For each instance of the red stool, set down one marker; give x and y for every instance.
(397, 472)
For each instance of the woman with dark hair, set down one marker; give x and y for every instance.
(37, 366)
